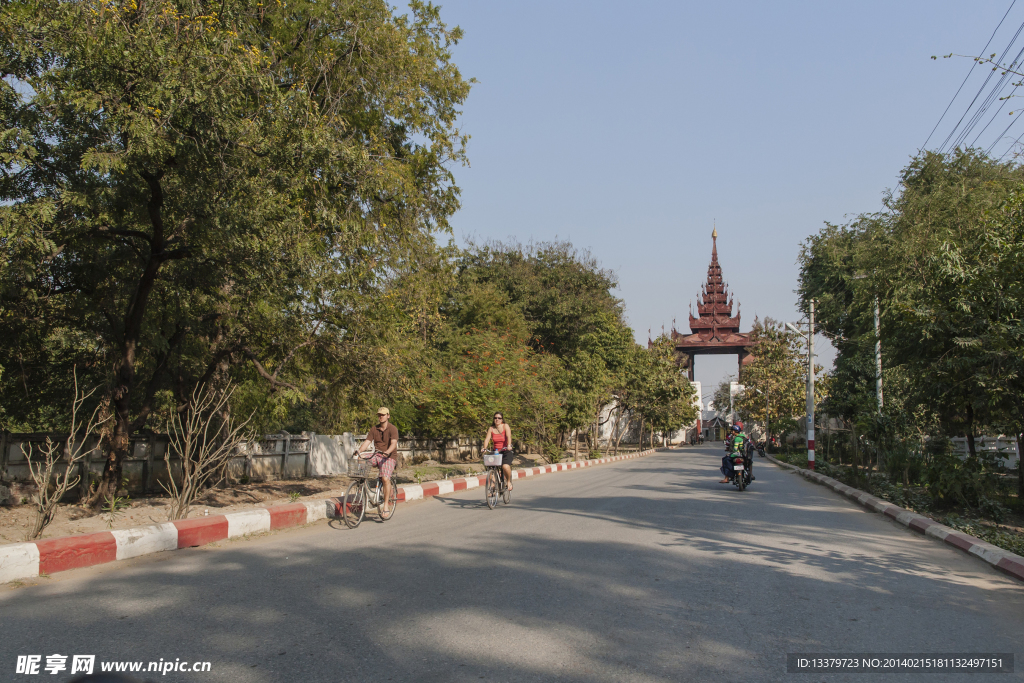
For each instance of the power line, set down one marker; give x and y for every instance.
(994, 116)
(996, 141)
(991, 97)
(969, 72)
(984, 85)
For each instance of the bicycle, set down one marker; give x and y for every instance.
(360, 493)
(496, 484)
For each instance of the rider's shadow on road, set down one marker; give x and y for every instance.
(461, 502)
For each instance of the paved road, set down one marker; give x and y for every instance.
(645, 570)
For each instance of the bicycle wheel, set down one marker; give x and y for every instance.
(491, 489)
(353, 507)
(392, 501)
(506, 492)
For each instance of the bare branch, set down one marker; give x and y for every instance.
(55, 462)
(263, 371)
(204, 441)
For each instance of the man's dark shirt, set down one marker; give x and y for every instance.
(382, 436)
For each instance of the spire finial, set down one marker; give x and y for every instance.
(714, 230)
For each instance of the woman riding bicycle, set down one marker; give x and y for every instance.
(500, 433)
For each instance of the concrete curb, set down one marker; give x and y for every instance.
(1003, 560)
(28, 560)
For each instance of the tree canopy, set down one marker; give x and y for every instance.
(775, 380)
(192, 186)
(942, 259)
(197, 194)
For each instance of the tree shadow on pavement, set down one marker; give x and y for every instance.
(645, 585)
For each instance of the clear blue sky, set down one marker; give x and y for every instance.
(628, 128)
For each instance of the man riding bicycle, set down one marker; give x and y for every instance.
(384, 440)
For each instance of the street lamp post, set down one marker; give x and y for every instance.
(878, 348)
(878, 358)
(810, 390)
(810, 383)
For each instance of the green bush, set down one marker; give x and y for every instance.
(954, 480)
(904, 465)
(553, 452)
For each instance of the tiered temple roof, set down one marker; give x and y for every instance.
(715, 329)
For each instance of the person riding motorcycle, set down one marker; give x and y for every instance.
(736, 445)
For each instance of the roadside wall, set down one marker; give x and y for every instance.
(274, 456)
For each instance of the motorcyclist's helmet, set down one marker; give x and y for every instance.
(737, 428)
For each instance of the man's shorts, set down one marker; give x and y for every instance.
(384, 463)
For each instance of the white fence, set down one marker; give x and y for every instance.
(275, 456)
(1005, 447)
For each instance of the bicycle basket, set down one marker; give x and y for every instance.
(358, 468)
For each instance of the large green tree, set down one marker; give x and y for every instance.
(657, 391)
(775, 380)
(566, 299)
(922, 257)
(190, 187)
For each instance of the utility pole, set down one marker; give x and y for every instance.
(810, 387)
(733, 388)
(878, 356)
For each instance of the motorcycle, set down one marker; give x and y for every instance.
(740, 472)
(760, 449)
(741, 467)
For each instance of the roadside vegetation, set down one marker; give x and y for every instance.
(944, 261)
(197, 195)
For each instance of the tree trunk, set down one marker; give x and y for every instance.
(622, 432)
(828, 442)
(856, 450)
(970, 432)
(1020, 471)
(121, 393)
(613, 436)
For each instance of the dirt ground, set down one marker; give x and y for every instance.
(16, 518)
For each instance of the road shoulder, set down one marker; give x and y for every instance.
(1003, 560)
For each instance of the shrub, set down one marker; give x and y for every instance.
(553, 453)
(954, 480)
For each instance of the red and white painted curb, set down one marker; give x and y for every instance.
(1003, 560)
(27, 560)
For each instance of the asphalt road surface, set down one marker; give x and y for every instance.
(643, 570)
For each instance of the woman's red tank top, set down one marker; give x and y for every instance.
(499, 440)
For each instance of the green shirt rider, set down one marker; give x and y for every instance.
(736, 445)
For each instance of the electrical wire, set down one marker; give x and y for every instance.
(969, 72)
(1012, 145)
(991, 99)
(984, 86)
(996, 141)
